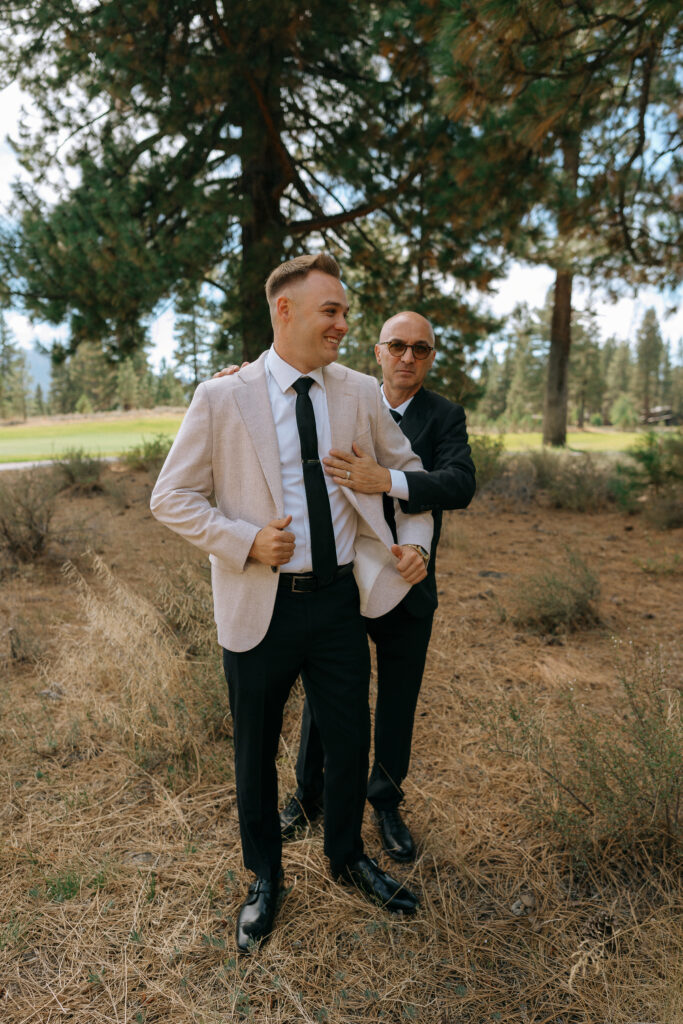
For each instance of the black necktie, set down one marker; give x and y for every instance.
(387, 502)
(323, 547)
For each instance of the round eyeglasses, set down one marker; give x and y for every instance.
(420, 349)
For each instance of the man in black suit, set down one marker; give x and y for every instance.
(436, 430)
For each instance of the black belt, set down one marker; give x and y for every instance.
(306, 582)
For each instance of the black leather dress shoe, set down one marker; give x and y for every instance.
(396, 837)
(378, 886)
(255, 919)
(296, 814)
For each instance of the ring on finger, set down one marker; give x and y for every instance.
(348, 474)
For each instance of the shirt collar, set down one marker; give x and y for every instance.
(284, 374)
(400, 409)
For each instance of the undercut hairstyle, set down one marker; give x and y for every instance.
(298, 269)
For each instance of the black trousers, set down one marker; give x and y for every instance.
(401, 641)
(321, 636)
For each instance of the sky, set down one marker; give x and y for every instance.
(523, 283)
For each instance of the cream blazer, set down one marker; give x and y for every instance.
(227, 446)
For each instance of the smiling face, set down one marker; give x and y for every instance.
(309, 321)
(403, 375)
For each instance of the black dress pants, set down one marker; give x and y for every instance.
(401, 641)
(321, 636)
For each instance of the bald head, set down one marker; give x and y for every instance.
(403, 375)
(407, 320)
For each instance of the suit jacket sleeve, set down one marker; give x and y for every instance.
(180, 498)
(451, 482)
(392, 448)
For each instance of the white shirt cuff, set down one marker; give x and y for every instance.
(399, 485)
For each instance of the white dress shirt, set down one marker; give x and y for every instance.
(399, 483)
(279, 377)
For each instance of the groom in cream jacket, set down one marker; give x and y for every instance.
(296, 559)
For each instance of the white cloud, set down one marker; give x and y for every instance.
(621, 318)
(26, 332)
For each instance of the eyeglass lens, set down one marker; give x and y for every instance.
(420, 349)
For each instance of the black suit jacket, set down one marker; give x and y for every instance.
(436, 430)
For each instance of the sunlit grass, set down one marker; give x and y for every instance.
(577, 440)
(32, 441)
(100, 437)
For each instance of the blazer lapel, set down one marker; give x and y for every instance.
(414, 421)
(254, 406)
(342, 407)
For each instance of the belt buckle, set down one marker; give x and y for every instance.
(302, 589)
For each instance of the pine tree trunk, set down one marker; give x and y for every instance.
(264, 178)
(555, 407)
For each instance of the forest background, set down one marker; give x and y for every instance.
(172, 156)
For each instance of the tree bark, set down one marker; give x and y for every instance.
(555, 406)
(264, 179)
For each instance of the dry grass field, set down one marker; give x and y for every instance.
(121, 873)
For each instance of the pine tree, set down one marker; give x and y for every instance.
(92, 377)
(169, 389)
(618, 377)
(39, 405)
(581, 99)
(15, 378)
(209, 141)
(586, 381)
(524, 398)
(193, 333)
(649, 359)
(126, 385)
(497, 384)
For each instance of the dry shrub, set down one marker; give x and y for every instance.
(561, 601)
(125, 666)
(611, 779)
(80, 471)
(150, 454)
(27, 508)
(664, 509)
(576, 482)
(488, 457)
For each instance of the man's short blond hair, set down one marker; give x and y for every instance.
(298, 269)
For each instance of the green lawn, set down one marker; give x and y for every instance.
(577, 440)
(26, 442)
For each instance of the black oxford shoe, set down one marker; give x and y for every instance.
(396, 837)
(378, 886)
(296, 814)
(255, 919)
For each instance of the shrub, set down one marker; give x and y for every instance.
(149, 454)
(487, 455)
(659, 458)
(80, 471)
(561, 601)
(27, 507)
(596, 420)
(615, 775)
(664, 509)
(658, 473)
(575, 482)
